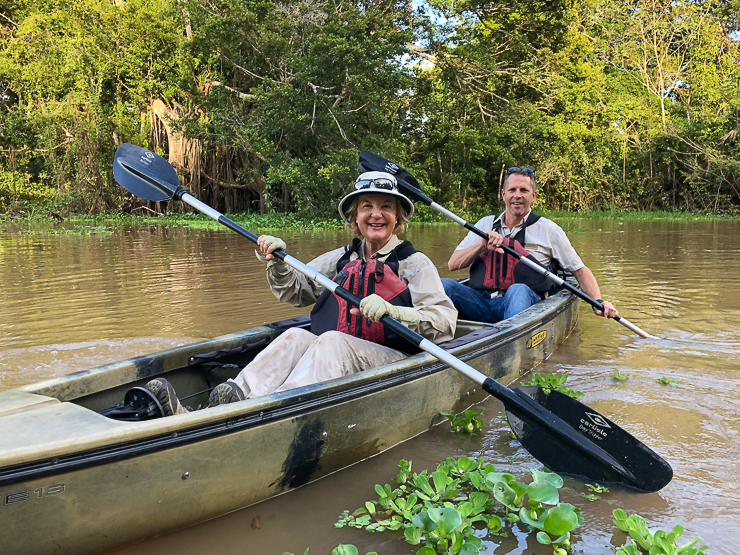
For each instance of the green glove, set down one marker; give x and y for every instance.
(269, 244)
(375, 307)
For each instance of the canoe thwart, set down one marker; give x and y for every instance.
(202, 358)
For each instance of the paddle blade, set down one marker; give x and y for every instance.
(370, 162)
(586, 443)
(144, 173)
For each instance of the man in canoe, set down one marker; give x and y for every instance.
(389, 274)
(500, 287)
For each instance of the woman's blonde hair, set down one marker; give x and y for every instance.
(402, 217)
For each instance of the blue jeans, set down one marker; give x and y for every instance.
(474, 305)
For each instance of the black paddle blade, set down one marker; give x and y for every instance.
(586, 443)
(144, 173)
(370, 162)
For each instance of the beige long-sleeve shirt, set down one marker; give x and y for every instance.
(437, 314)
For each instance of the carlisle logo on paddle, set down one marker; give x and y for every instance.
(390, 167)
(594, 428)
(598, 420)
(149, 157)
(536, 339)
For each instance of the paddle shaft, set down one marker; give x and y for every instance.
(416, 195)
(521, 405)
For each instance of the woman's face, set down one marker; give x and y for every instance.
(376, 217)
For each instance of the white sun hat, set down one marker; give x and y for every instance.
(369, 183)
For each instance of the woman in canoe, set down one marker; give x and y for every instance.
(388, 274)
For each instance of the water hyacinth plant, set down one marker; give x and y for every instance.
(441, 510)
(341, 549)
(654, 543)
(620, 377)
(552, 381)
(468, 421)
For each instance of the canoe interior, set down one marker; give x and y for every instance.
(193, 370)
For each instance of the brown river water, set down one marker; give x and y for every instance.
(70, 301)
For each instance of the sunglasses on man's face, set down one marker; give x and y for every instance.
(382, 183)
(519, 169)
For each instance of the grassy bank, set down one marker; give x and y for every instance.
(302, 221)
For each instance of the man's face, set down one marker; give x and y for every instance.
(518, 195)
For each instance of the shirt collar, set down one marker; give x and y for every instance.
(392, 243)
(517, 227)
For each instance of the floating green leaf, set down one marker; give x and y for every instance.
(596, 488)
(539, 475)
(560, 519)
(446, 519)
(413, 534)
(423, 521)
(543, 491)
(495, 523)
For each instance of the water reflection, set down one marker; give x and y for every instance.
(70, 302)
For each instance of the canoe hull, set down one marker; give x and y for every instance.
(204, 465)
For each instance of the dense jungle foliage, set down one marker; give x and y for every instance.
(263, 105)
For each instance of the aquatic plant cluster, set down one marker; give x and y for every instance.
(446, 510)
(553, 381)
(468, 421)
(443, 509)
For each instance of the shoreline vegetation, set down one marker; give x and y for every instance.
(263, 106)
(294, 221)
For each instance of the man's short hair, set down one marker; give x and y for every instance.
(527, 172)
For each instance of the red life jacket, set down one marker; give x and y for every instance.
(497, 271)
(362, 278)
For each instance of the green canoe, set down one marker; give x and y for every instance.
(80, 472)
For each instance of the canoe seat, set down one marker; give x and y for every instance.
(20, 401)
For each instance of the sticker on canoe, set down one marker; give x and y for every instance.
(536, 339)
(27, 495)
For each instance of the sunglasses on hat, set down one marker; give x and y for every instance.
(380, 183)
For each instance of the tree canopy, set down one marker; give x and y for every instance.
(263, 105)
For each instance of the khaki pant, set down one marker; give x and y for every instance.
(298, 358)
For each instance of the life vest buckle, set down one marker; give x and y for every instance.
(379, 272)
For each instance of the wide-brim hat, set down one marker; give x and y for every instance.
(371, 183)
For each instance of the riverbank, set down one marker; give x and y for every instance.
(423, 215)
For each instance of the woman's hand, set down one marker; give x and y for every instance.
(374, 307)
(268, 244)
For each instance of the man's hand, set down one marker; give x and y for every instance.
(494, 241)
(609, 311)
(465, 257)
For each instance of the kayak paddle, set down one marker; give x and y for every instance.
(563, 434)
(410, 186)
